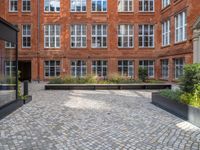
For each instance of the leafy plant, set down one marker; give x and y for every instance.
(171, 94)
(143, 74)
(190, 78)
(193, 98)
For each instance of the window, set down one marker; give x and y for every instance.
(180, 27)
(146, 36)
(9, 45)
(26, 5)
(26, 36)
(52, 36)
(165, 3)
(125, 68)
(165, 69)
(78, 5)
(149, 65)
(125, 36)
(99, 36)
(99, 68)
(52, 5)
(78, 68)
(179, 65)
(13, 5)
(10, 68)
(78, 36)
(125, 5)
(52, 68)
(166, 33)
(99, 5)
(146, 5)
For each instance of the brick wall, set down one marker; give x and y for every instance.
(38, 54)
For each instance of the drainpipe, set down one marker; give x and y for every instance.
(38, 47)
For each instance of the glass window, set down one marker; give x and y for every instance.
(52, 36)
(78, 68)
(26, 36)
(146, 36)
(125, 36)
(52, 68)
(99, 5)
(78, 36)
(166, 33)
(10, 68)
(125, 68)
(180, 27)
(13, 5)
(78, 5)
(179, 65)
(149, 65)
(165, 68)
(26, 5)
(99, 36)
(146, 5)
(165, 3)
(125, 5)
(52, 5)
(99, 68)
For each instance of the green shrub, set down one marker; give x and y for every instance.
(171, 94)
(190, 77)
(143, 74)
(193, 98)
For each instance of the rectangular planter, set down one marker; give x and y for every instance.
(10, 107)
(186, 112)
(107, 86)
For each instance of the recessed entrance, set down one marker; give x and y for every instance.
(25, 69)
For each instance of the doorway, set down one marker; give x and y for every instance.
(25, 69)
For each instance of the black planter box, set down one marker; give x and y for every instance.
(106, 86)
(10, 107)
(183, 111)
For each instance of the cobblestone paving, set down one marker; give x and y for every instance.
(95, 120)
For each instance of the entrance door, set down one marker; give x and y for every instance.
(25, 69)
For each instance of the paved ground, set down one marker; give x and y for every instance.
(91, 120)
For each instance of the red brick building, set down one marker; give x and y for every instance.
(102, 37)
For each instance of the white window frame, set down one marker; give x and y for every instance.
(166, 33)
(47, 68)
(165, 68)
(55, 8)
(81, 5)
(55, 36)
(178, 67)
(150, 64)
(149, 36)
(10, 66)
(12, 9)
(122, 5)
(26, 34)
(102, 66)
(130, 66)
(77, 35)
(122, 33)
(165, 3)
(143, 5)
(26, 5)
(102, 1)
(102, 35)
(82, 68)
(180, 27)
(9, 45)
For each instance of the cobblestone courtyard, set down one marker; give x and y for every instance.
(91, 120)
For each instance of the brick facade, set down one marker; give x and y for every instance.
(37, 54)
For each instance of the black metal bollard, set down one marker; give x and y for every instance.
(25, 88)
